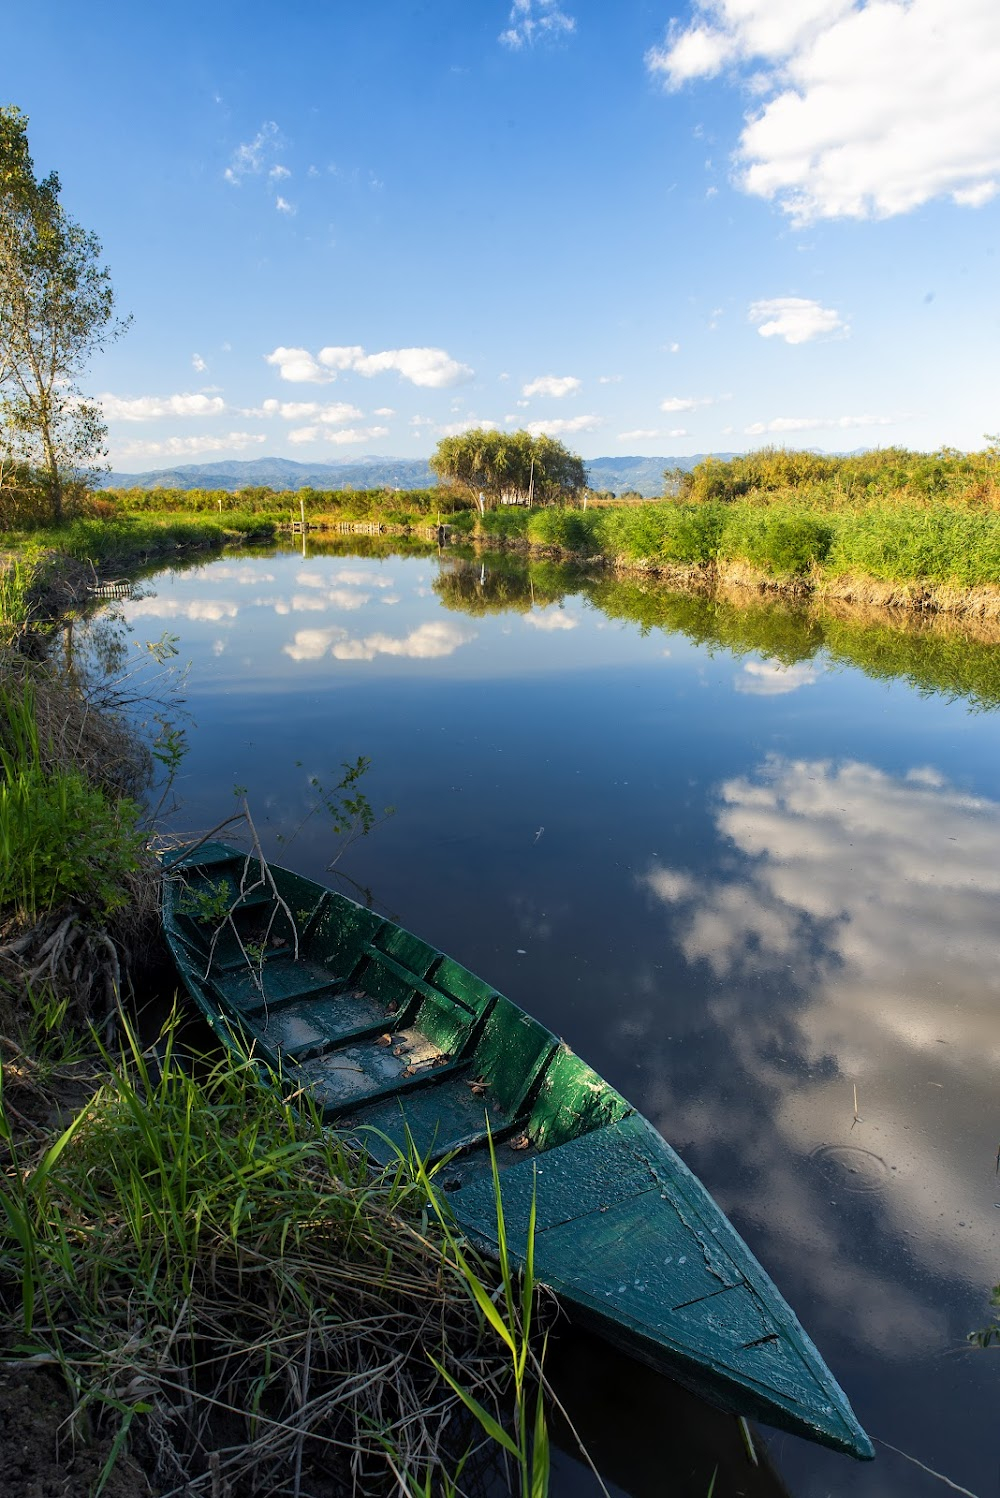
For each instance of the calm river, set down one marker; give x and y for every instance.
(744, 859)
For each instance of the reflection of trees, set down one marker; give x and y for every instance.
(934, 654)
(500, 584)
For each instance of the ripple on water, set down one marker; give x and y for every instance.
(851, 1168)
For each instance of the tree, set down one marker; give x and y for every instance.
(508, 467)
(56, 307)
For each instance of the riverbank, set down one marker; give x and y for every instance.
(935, 559)
(203, 1289)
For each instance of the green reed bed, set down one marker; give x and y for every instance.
(936, 544)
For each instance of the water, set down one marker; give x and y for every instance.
(745, 860)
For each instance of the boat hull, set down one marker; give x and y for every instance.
(403, 1048)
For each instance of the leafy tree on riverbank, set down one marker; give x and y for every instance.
(56, 308)
(508, 467)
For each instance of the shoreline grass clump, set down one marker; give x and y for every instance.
(236, 1296)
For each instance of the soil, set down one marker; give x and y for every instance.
(42, 1458)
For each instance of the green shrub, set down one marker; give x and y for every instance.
(782, 542)
(570, 530)
(506, 522)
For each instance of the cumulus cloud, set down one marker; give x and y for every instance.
(873, 895)
(198, 364)
(554, 385)
(151, 407)
(186, 447)
(330, 414)
(686, 402)
(559, 425)
(283, 205)
(210, 610)
(346, 437)
(815, 423)
(431, 368)
(533, 21)
(796, 319)
(640, 434)
(252, 157)
(549, 619)
(467, 424)
(772, 678)
(871, 107)
(430, 641)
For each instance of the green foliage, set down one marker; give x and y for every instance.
(194, 1230)
(677, 533)
(890, 473)
(567, 529)
(779, 542)
(61, 838)
(56, 305)
(508, 466)
(506, 523)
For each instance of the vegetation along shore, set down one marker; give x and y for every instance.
(889, 528)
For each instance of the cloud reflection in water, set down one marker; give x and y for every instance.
(855, 944)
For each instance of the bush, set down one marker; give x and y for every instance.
(778, 541)
(569, 530)
(506, 523)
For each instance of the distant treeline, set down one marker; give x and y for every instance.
(278, 504)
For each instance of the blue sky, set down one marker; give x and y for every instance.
(659, 228)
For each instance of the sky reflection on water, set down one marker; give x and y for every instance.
(742, 885)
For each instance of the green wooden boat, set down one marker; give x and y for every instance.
(395, 1039)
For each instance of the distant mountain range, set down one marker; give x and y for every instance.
(640, 475)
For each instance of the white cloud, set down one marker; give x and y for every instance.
(554, 385)
(796, 319)
(299, 366)
(771, 678)
(550, 619)
(536, 20)
(210, 610)
(333, 412)
(431, 368)
(278, 173)
(356, 434)
(180, 447)
(609, 379)
(345, 437)
(456, 428)
(686, 402)
(430, 641)
(151, 407)
(873, 107)
(198, 363)
(383, 411)
(640, 434)
(816, 423)
(560, 425)
(283, 205)
(251, 158)
(358, 577)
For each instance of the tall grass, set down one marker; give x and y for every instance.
(235, 1294)
(18, 577)
(62, 838)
